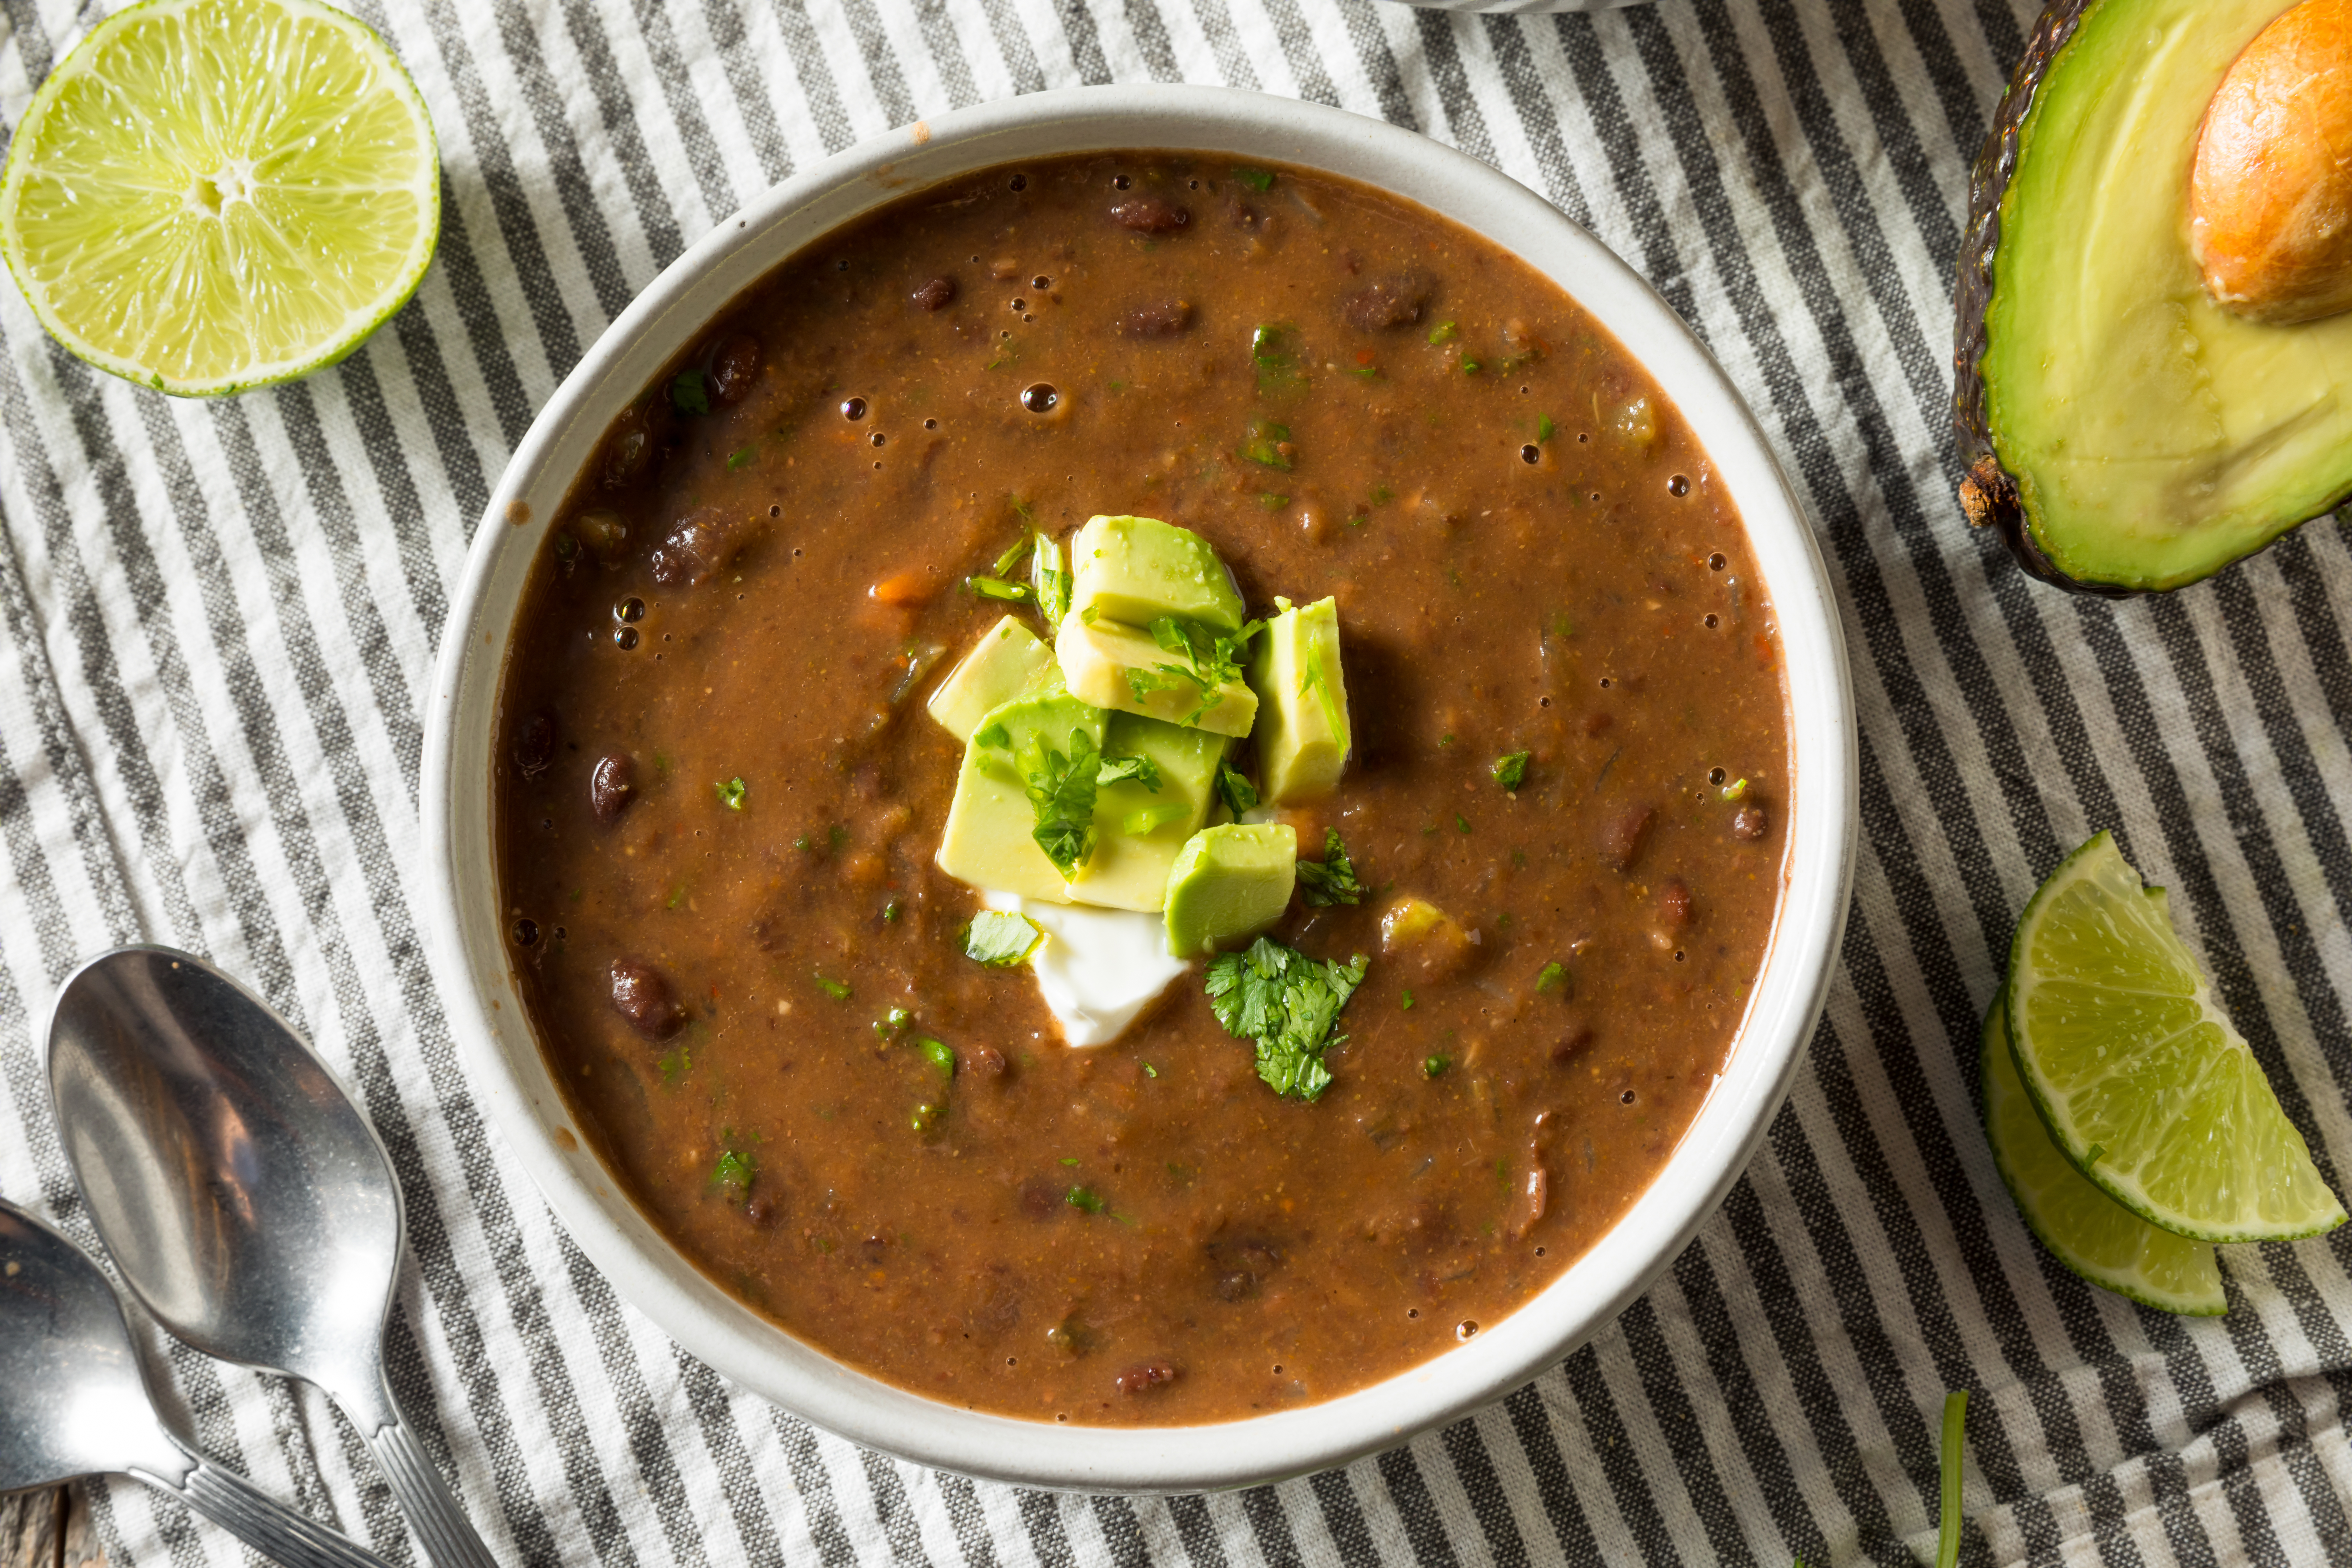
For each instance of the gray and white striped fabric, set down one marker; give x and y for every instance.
(216, 623)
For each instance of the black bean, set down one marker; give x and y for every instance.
(641, 995)
(1149, 215)
(1747, 822)
(604, 532)
(1674, 903)
(734, 366)
(1623, 834)
(936, 295)
(1386, 303)
(699, 545)
(985, 1061)
(534, 744)
(1235, 1285)
(1160, 319)
(764, 1209)
(1144, 1377)
(611, 785)
(1571, 1044)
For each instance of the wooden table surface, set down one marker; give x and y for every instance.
(48, 1528)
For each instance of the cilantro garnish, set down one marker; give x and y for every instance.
(890, 1023)
(1551, 978)
(1259, 180)
(837, 990)
(1062, 792)
(1544, 427)
(1511, 771)
(734, 1171)
(1445, 331)
(999, 589)
(742, 457)
(1264, 442)
(1332, 882)
(732, 793)
(940, 1056)
(687, 395)
(1013, 557)
(1080, 1199)
(1001, 939)
(1142, 770)
(1235, 790)
(1432, 1066)
(1211, 660)
(1286, 1003)
(1277, 365)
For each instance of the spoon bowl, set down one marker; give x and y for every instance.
(248, 1203)
(74, 1401)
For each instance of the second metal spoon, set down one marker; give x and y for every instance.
(244, 1199)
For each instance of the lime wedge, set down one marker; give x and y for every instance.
(210, 196)
(2142, 1082)
(2086, 1230)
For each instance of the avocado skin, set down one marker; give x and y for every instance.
(1989, 494)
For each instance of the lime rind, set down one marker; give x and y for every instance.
(2141, 1081)
(211, 195)
(2083, 1228)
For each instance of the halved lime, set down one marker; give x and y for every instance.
(2086, 1230)
(214, 195)
(2142, 1082)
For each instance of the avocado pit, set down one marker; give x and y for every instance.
(2269, 194)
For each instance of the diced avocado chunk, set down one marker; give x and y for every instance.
(999, 667)
(987, 840)
(1129, 867)
(1115, 665)
(1302, 731)
(1134, 570)
(1228, 884)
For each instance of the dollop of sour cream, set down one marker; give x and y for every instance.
(1097, 969)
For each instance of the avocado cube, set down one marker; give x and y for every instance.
(1303, 732)
(987, 841)
(1117, 667)
(1130, 870)
(998, 668)
(1134, 570)
(1228, 884)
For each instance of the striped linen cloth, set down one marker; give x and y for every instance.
(216, 622)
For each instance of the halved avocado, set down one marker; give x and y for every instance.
(2128, 434)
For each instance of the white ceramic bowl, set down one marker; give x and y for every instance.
(503, 1062)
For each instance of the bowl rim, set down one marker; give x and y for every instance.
(499, 1052)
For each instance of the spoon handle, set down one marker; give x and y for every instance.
(440, 1525)
(264, 1523)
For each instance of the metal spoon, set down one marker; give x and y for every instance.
(247, 1202)
(74, 1401)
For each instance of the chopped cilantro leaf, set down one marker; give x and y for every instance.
(734, 1171)
(1142, 770)
(1235, 790)
(1286, 1003)
(1211, 658)
(1511, 771)
(888, 1025)
(1736, 790)
(1332, 882)
(1263, 444)
(1406, 1005)
(742, 457)
(835, 989)
(1080, 1199)
(1444, 332)
(1001, 939)
(1273, 502)
(994, 735)
(1062, 792)
(1277, 365)
(1432, 1066)
(1544, 427)
(1470, 366)
(1259, 180)
(732, 793)
(1461, 822)
(1013, 557)
(1150, 1071)
(1553, 977)
(999, 589)
(687, 395)
(1049, 583)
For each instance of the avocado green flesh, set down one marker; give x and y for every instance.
(2153, 436)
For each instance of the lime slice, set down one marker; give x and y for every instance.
(214, 195)
(2086, 1230)
(2142, 1082)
